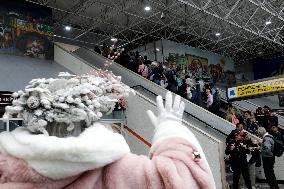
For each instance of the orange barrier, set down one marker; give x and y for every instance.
(138, 136)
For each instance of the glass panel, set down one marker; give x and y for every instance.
(13, 124)
(2, 126)
(114, 115)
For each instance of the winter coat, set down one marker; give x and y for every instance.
(252, 128)
(238, 156)
(31, 164)
(267, 146)
(143, 70)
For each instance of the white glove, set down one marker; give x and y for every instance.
(168, 123)
(171, 112)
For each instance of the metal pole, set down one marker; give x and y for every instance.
(162, 48)
(8, 125)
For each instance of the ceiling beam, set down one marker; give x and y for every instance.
(230, 22)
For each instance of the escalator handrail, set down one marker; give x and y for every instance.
(221, 132)
(75, 56)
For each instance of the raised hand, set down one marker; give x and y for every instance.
(171, 111)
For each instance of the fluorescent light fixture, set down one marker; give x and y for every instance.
(217, 34)
(67, 28)
(113, 39)
(147, 8)
(267, 22)
(157, 49)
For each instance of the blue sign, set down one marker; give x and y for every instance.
(232, 92)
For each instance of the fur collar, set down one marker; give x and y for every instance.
(59, 158)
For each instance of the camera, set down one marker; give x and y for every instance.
(163, 16)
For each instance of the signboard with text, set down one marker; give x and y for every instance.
(5, 98)
(254, 89)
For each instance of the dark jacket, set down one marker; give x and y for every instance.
(238, 156)
(278, 136)
(252, 128)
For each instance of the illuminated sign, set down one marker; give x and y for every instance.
(5, 98)
(259, 88)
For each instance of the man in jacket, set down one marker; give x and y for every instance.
(276, 133)
(268, 157)
(238, 156)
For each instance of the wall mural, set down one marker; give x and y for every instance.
(198, 67)
(26, 29)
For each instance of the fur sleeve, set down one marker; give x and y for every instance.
(170, 165)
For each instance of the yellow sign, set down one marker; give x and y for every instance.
(275, 85)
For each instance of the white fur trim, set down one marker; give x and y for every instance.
(58, 158)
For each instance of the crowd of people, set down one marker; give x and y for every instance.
(246, 153)
(263, 117)
(170, 76)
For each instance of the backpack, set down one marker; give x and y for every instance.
(278, 147)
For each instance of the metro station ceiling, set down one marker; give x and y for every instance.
(247, 28)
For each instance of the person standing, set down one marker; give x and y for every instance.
(276, 133)
(268, 158)
(231, 117)
(252, 126)
(209, 100)
(238, 157)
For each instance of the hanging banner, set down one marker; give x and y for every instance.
(259, 88)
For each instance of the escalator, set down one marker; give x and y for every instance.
(218, 134)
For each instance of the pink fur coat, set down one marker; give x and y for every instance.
(171, 165)
(101, 159)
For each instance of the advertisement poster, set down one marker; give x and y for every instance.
(189, 62)
(26, 29)
(197, 65)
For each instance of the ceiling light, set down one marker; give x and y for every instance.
(217, 34)
(157, 49)
(267, 22)
(113, 39)
(147, 8)
(67, 28)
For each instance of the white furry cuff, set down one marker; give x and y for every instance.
(58, 158)
(174, 129)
